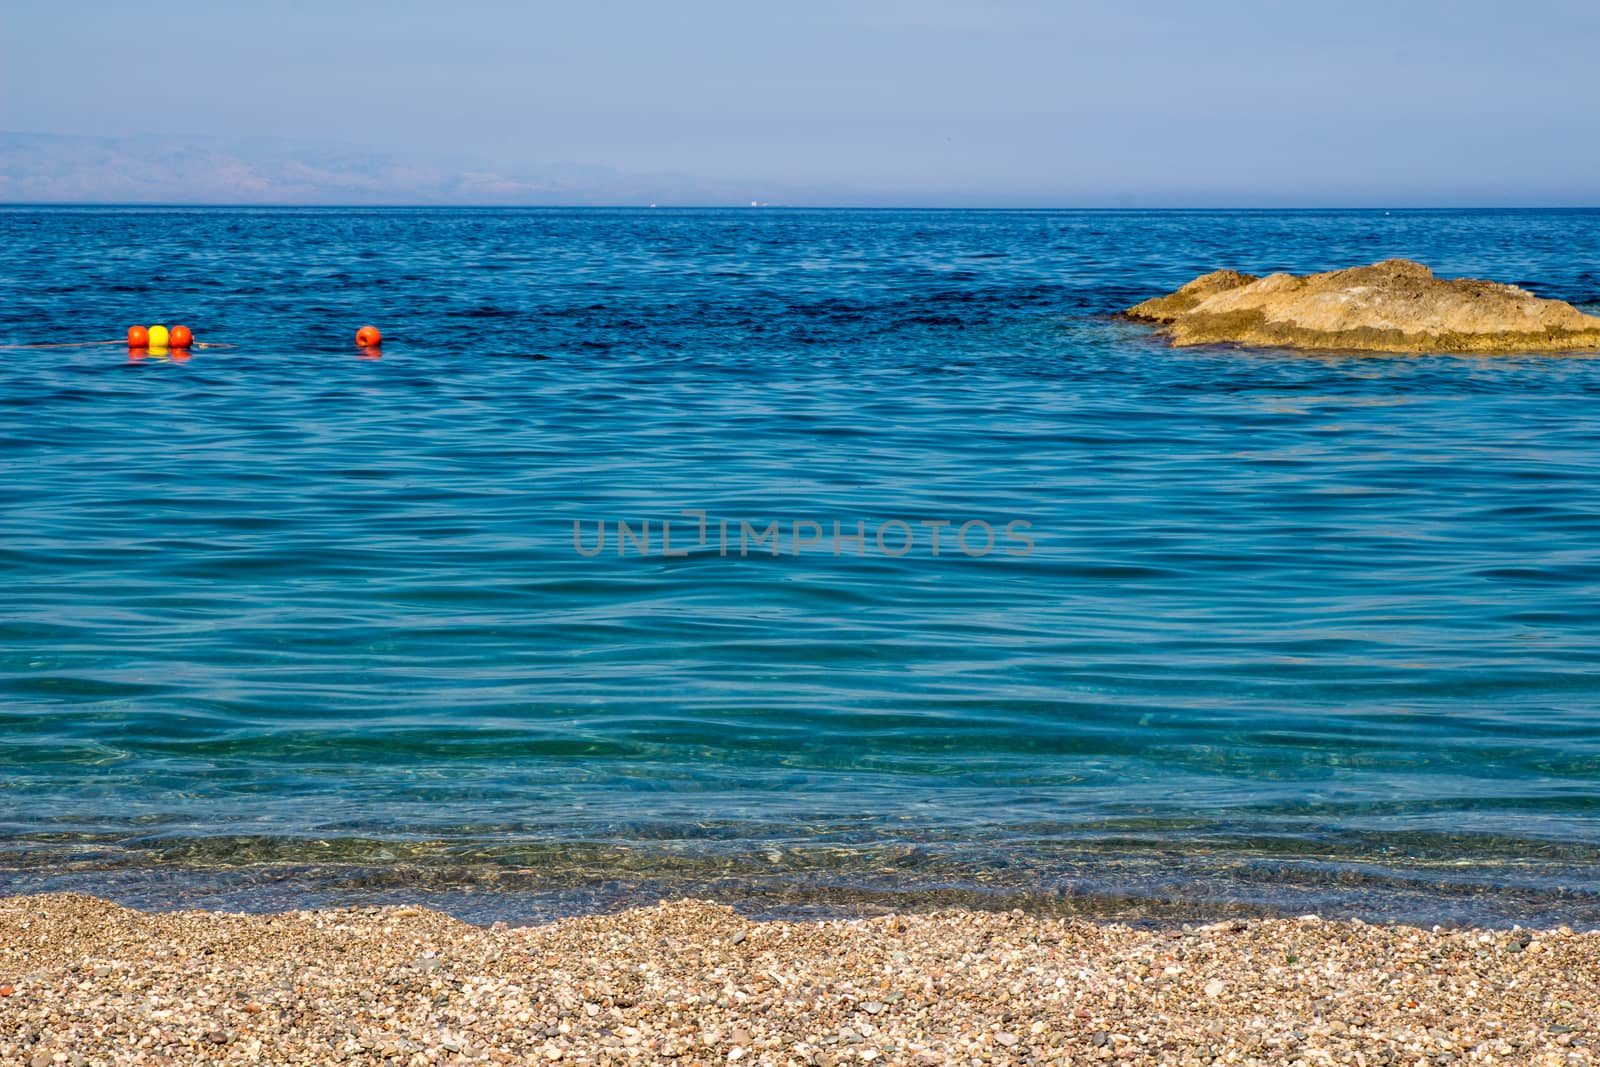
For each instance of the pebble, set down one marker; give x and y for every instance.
(368, 987)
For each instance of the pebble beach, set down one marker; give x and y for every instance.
(84, 981)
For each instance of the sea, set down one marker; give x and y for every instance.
(814, 561)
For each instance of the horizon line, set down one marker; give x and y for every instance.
(413, 206)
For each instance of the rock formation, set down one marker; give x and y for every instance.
(1393, 306)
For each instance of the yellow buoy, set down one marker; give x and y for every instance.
(158, 337)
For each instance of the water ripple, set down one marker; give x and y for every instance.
(1294, 631)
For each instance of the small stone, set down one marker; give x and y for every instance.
(664, 987)
(738, 938)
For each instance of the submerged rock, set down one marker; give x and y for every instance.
(1393, 306)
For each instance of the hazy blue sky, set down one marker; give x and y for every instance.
(818, 101)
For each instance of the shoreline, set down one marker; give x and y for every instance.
(1144, 887)
(693, 982)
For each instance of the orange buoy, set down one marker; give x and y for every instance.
(138, 337)
(368, 336)
(180, 337)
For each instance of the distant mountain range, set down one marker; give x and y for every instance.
(49, 168)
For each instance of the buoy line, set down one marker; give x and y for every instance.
(159, 338)
(113, 341)
(69, 344)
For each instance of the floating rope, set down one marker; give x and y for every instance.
(157, 338)
(113, 341)
(71, 344)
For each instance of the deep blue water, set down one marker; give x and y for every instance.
(283, 622)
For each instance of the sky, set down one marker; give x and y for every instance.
(811, 102)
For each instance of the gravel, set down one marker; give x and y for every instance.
(691, 983)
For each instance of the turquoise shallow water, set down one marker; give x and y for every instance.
(283, 623)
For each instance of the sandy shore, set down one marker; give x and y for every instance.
(84, 981)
